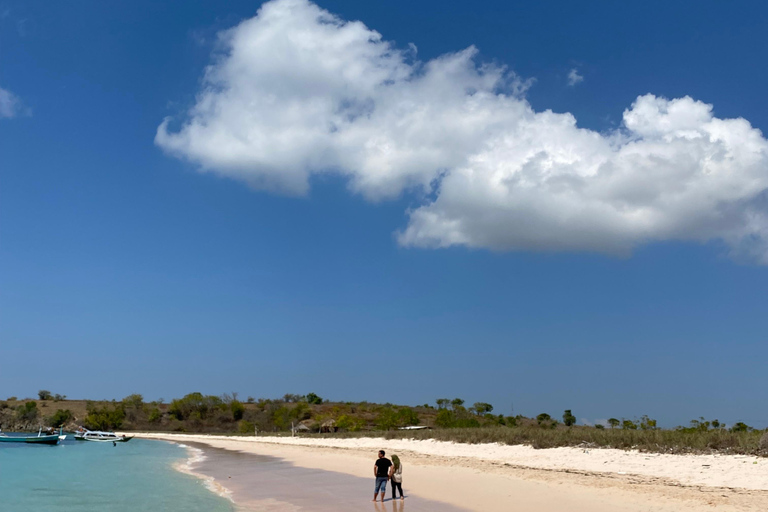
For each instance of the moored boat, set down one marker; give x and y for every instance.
(36, 439)
(99, 436)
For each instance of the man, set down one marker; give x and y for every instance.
(382, 472)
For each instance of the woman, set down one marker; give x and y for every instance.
(396, 475)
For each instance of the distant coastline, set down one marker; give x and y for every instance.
(310, 415)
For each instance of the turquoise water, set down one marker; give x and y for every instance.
(88, 477)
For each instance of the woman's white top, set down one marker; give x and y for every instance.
(397, 476)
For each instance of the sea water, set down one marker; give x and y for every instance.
(82, 476)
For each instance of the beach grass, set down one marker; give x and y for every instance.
(655, 441)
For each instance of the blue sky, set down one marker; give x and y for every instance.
(132, 262)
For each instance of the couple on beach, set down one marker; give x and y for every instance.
(385, 469)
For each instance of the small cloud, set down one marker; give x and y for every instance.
(574, 77)
(9, 104)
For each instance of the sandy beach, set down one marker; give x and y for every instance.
(492, 477)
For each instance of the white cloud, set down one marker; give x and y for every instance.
(296, 91)
(574, 77)
(9, 104)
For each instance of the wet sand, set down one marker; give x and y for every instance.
(270, 484)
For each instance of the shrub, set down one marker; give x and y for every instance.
(246, 427)
(763, 443)
(155, 415)
(444, 418)
(349, 423)
(314, 399)
(482, 408)
(106, 417)
(407, 416)
(238, 410)
(195, 406)
(60, 417)
(647, 423)
(386, 419)
(136, 401)
(741, 427)
(628, 425)
(568, 418)
(543, 418)
(44, 394)
(27, 412)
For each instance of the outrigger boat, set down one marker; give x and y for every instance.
(83, 434)
(38, 439)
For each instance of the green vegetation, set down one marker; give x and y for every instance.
(60, 418)
(104, 417)
(27, 412)
(311, 415)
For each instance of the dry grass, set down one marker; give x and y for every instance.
(657, 441)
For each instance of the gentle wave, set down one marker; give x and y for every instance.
(196, 456)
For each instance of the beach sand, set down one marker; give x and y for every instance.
(487, 477)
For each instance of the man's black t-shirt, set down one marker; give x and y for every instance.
(382, 467)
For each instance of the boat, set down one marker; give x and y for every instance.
(40, 438)
(83, 434)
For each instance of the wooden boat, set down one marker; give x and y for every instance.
(37, 439)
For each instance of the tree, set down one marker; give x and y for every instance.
(613, 422)
(27, 412)
(457, 403)
(387, 419)
(135, 400)
(106, 417)
(442, 403)
(238, 409)
(44, 394)
(543, 418)
(482, 408)
(741, 427)
(445, 418)
(628, 425)
(568, 418)
(406, 417)
(60, 417)
(647, 423)
(314, 399)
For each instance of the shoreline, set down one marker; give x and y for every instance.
(194, 457)
(496, 477)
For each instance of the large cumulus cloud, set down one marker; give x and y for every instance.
(296, 91)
